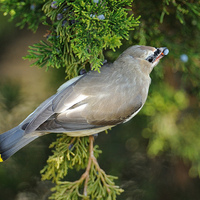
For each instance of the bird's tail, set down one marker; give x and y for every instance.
(12, 141)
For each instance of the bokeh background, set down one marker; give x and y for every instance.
(157, 154)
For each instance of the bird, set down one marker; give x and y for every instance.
(92, 102)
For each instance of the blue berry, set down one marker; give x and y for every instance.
(101, 17)
(83, 71)
(104, 62)
(65, 9)
(54, 4)
(166, 51)
(64, 22)
(59, 16)
(73, 21)
(70, 146)
(33, 6)
(184, 58)
(96, 1)
(92, 15)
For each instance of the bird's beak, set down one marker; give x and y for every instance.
(163, 52)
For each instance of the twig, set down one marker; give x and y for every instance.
(91, 156)
(101, 173)
(85, 175)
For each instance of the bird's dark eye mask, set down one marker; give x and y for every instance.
(157, 54)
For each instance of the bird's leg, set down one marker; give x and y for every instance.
(86, 174)
(91, 157)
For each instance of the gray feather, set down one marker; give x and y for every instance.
(6, 153)
(10, 138)
(41, 117)
(13, 140)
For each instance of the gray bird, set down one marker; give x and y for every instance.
(92, 102)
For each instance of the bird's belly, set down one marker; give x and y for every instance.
(87, 132)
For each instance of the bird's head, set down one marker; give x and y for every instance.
(150, 56)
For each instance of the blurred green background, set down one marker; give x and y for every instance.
(157, 154)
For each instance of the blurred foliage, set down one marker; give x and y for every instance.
(10, 95)
(28, 12)
(168, 125)
(173, 106)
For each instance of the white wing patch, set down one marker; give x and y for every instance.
(71, 113)
(76, 110)
(75, 101)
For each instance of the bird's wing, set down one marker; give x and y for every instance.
(82, 116)
(45, 110)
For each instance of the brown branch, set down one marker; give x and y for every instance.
(85, 175)
(101, 173)
(91, 156)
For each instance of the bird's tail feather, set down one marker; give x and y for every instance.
(12, 141)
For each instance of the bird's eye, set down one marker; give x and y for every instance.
(150, 59)
(156, 52)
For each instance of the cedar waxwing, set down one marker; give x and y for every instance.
(92, 102)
